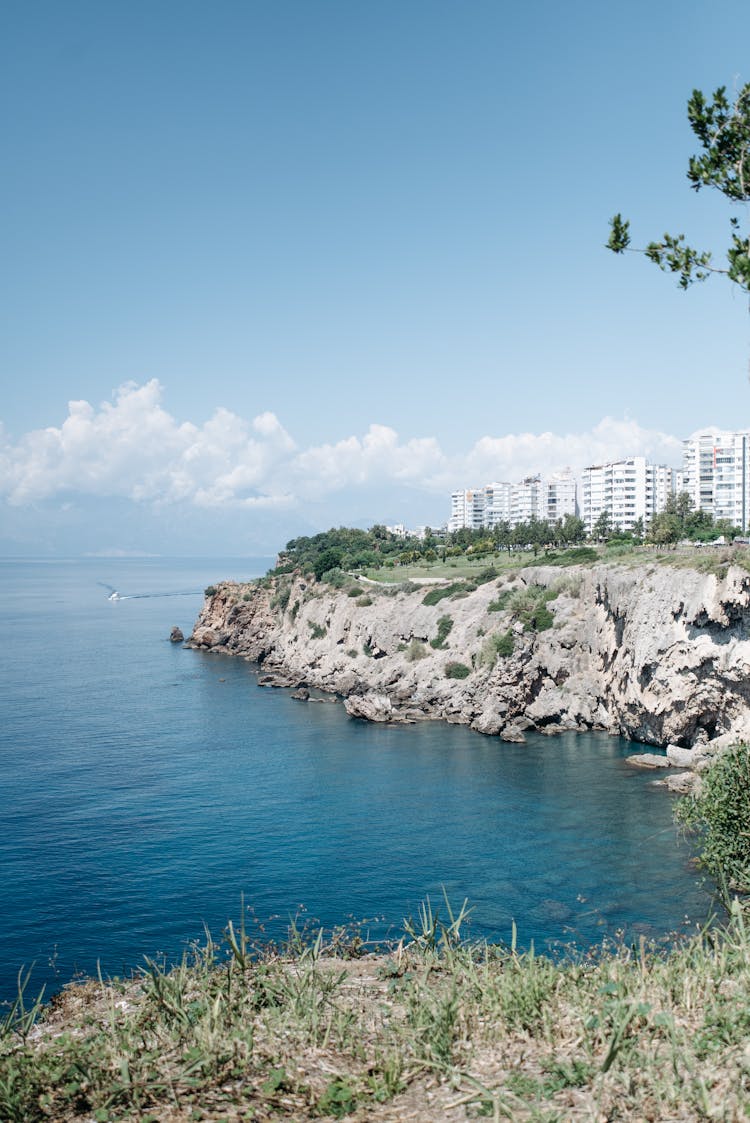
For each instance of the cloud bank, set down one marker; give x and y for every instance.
(133, 448)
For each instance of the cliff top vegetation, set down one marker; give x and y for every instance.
(674, 536)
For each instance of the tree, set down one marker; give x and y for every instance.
(573, 530)
(665, 529)
(723, 129)
(329, 559)
(602, 528)
(502, 535)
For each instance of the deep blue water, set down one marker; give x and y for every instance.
(145, 788)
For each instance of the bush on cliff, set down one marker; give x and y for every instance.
(529, 605)
(444, 628)
(415, 651)
(498, 644)
(457, 670)
(441, 592)
(720, 814)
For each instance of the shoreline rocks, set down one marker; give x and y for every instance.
(648, 652)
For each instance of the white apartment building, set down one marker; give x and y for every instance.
(562, 496)
(497, 501)
(467, 509)
(530, 498)
(629, 490)
(716, 474)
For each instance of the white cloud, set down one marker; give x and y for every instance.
(132, 447)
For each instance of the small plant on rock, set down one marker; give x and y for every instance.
(457, 670)
(415, 651)
(443, 631)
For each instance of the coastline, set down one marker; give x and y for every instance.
(655, 654)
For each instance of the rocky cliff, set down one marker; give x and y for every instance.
(654, 653)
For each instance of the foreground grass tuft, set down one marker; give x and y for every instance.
(434, 1029)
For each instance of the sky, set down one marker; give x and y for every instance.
(267, 267)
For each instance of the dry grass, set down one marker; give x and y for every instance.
(434, 1030)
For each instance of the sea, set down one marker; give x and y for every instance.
(151, 793)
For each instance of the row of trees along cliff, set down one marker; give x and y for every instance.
(352, 549)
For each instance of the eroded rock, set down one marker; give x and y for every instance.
(652, 653)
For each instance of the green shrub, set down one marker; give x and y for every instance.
(326, 561)
(246, 596)
(316, 630)
(334, 577)
(416, 650)
(499, 643)
(529, 605)
(440, 592)
(295, 610)
(457, 670)
(281, 600)
(443, 631)
(368, 649)
(540, 620)
(501, 602)
(579, 556)
(210, 591)
(364, 601)
(719, 814)
(355, 591)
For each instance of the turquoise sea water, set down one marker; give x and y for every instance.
(145, 788)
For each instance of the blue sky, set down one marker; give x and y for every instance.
(369, 235)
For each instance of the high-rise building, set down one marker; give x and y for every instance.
(467, 509)
(530, 498)
(562, 497)
(629, 490)
(496, 504)
(716, 474)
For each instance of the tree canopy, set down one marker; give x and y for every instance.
(723, 129)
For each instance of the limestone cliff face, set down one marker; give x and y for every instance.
(657, 654)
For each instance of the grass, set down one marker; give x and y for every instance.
(706, 559)
(453, 569)
(433, 1028)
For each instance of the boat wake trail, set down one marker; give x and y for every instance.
(115, 595)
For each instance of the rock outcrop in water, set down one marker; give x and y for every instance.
(654, 653)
